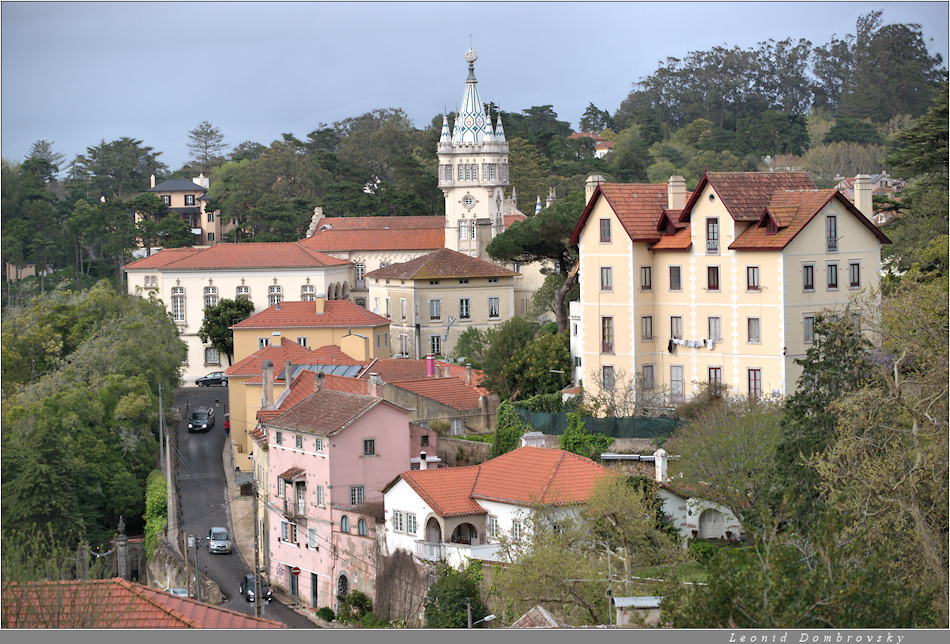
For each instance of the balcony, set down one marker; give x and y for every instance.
(832, 244)
(712, 246)
(456, 554)
(359, 285)
(606, 347)
(430, 551)
(295, 509)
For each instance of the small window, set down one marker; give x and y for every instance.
(189, 200)
(243, 292)
(854, 272)
(808, 329)
(356, 495)
(312, 539)
(832, 277)
(516, 530)
(808, 277)
(605, 231)
(361, 527)
(308, 293)
(494, 308)
(754, 331)
(424, 440)
(210, 237)
(676, 327)
(302, 340)
(298, 441)
(389, 307)
(646, 328)
(274, 295)
(397, 521)
(755, 383)
(646, 278)
(435, 344)
(262, 343)
(369, 447)
(212, 356)
(715, 376)
(648, 381)
(345, 524)
(607, 376)
(607, 335)
(410, 523)
(211, 296)
(318, 445)
(676, 278)
(435, 309)
(714, 327)
(752, 278)
(464, 308)
(770, 227)
(320, 496)
(210, 217)
(279, 438)
(606, 278)
(712, 278)
(712, 236)
(167, 199)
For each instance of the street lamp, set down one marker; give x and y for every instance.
(562, 376)
(468, 605)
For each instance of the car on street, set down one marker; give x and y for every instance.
(213, 378)
(178, 592)
(247, 589)
(218, 541)
(201, 420)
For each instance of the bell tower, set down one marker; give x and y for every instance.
(473, 172)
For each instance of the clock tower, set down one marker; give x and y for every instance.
(473, 173)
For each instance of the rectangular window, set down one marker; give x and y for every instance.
(212, 356)
(646, 328)
(516, 530)
(210, 217)
(167, 199)
(753, 331)
(755, 383)
(607, 376)
(262, 342)
(389, 307)
(302, 340)
(461, 171)
(677, 384)
(410, 523)
(274, 295)
(606, 335)
(808, 329)
(712, 278)
(312, 539)
(279, 438)
(435, 344)
(308, 293)
(648, 379)
(831, 233)
(320, 496)
(676, 278)
(714, 326)
(492, 527)
(646, 278)
(606, 278)
(854, 272)
(715, 376)
(210, 237)
(298, 441)
(808, 277)
(464, 308)
(494, 309)
(243, 292)
(752, 278)
(424, 440)
(178, 303)
(397, 521)
(356, 495)
(402, 306)
(463, 230)
(832, 277)
(211, 296)
(404, 344)
(360, 273)
(189, 200)
(369, 447)
(605, 231)
(318, 445)
(676, 327)
(712, 236)
(435, 309)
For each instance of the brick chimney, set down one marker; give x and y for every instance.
(268, 375)
(662, 456)
(676, 195)
(423, 461)
(372, 385)
(862, 195)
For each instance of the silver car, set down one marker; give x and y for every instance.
(219, 541)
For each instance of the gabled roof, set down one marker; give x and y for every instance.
(525, 477)
(746, 194)
(452, 392)
(277, 353)
(337, 234)
(326, 412)
(337, 314)
(401, 369)
(638, 206)
(162, 258)
(240, 256)
(792, 211)
(178, 185)
(329, 354)
(113, 603)
(442, 264)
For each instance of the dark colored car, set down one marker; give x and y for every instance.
(202, 419)
(247, 589)
(213, 378)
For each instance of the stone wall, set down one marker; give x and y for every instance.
(166, 569)
(456, 452)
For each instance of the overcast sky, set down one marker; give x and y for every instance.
(77, 73)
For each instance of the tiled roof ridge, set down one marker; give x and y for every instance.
(553, 474)
(140, 592)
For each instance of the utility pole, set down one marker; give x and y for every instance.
(258, 586)
(197, 574)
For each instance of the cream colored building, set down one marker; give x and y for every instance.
(435, 298)
(187, 199)
(188, 280)
(719, 285)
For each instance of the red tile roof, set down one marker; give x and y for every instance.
(337, 314)
(249, 255)
(526, 476)
(378, 233)
(277, 353)
(511, 219)
(113, 603)
(452, 392)
(680, 240)
(401, 369)
(329, 354)
(326, 412)
(746, 194)
(162, 258)
(442, 264)
(638, 206)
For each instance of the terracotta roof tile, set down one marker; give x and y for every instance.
(325, 412)
(680, 240)
(446, 490)
(746, 194)
(336, 314)
(249, 255)
(402, 369)
(638, 206)
(452, 392)
(277, 353)
(162, 258)
(378, 233)
(115, 603)
(442, 264)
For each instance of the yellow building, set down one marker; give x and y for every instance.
(187, 198)
(720, 285)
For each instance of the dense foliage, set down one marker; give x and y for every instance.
(449, 598)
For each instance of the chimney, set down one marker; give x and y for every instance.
(319, 381)
(662, 456)
(423, 461)
(593, 181)
(468, 374)
(287, 377)
(430, 365)
(862, 195)
(319, 302)
(373, 385)
(268, 398)
(676, 195)
(153, 180)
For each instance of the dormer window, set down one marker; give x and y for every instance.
(770, 226)
(670, 228)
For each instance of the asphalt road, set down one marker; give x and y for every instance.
(204, 504)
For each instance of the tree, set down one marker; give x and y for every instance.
(218, 320)
(595, 119)
(509, 428)
(506, 339)
(43, 149)
(854, 131)
(116, 170)
(448, 600)
(531, 370)
(472, 344)
(544, 238)
(206, 143)
(578, 440)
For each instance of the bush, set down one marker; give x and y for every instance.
(702, 551)
(371, 621)
(440, 427)
(326, 614)
(156, 510)
(354, 607)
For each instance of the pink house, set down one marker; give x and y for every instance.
(329, 457)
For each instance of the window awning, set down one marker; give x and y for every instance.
(293, 474)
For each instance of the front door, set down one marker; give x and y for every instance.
(294, 585)
(313, 589)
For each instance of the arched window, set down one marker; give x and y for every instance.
(361, 527)
(345, 524)
(342, 586)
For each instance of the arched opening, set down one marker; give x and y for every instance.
(433, 531)
(342, 586)
(331, 292)
(346, 290)
(361, 527)
(465, 533)
(345, 524)
(711, 524)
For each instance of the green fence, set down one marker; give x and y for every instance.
(631, 427)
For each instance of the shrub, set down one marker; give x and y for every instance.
(326, 614)
(354, 606)
(702, 551)
(440, 426)
(371, 621)
(156, 511)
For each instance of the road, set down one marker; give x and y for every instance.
(204, 503)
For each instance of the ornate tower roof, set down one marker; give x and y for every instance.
(472, 125)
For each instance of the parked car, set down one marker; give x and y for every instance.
(219, 541)
(178, 592)
(247, 589)
(202, 419)
(213, 378)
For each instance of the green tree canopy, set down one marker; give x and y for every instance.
(218, 320)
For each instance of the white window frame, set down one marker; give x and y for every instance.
(215, 356)
(274, 295)
(308, 293)
(680, 395)
(178, 303)
(320, 500)
(494, 308)
(435, 344)
(678, 271)
(755, 338)
(313, 539)
(465, 308)
(435, 309)
(411, 524)
(242, 293)
(752, 283)
(357, 495)
(398, 521)
(605, 231)
(646, 328)
(714, 327)
(676, 327)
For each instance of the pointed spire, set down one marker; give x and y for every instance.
(537, 207)
(446, 135)
(499, 131)
(471, 124)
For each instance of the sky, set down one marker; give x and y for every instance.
(79, 73)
